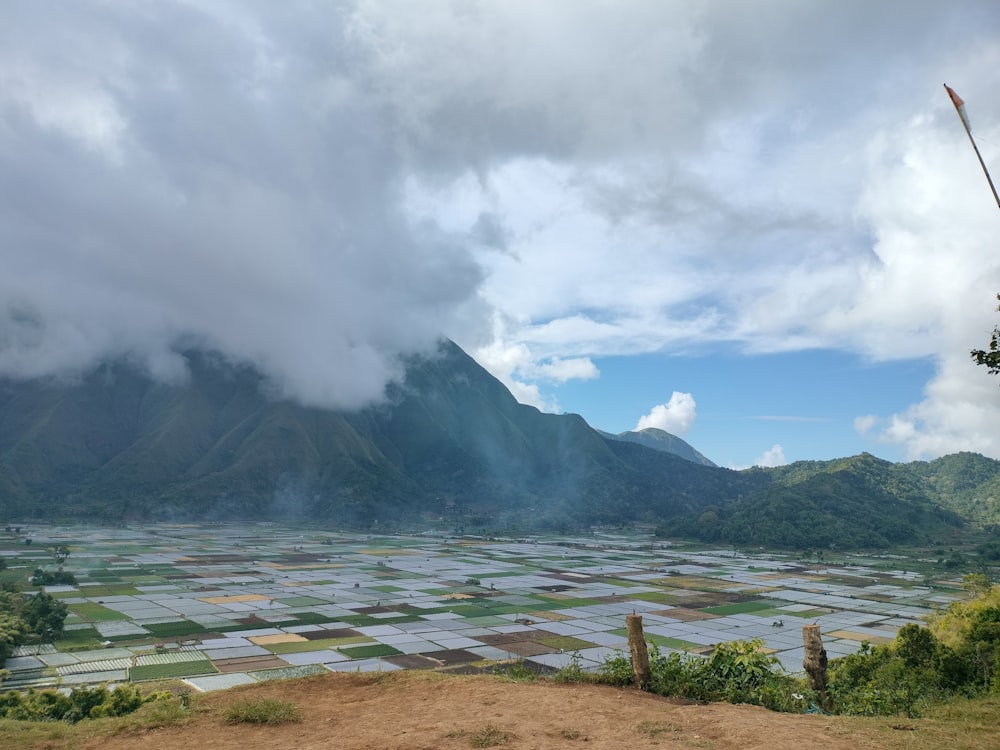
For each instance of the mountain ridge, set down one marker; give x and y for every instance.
(449, 444)
(661, 440)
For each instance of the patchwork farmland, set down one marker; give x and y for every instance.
(219, 606)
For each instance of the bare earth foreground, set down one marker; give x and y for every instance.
(421, 710)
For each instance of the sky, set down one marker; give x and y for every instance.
(759, 226)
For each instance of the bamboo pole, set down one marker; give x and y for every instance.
(960, 109)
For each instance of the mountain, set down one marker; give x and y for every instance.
(966, 483)
(856, 502)
(448, 441)
(661, 440)
(448, 444)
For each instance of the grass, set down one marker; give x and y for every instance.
(489, 736)
(262, 711)
(657, 728)
(517, 671)
(969, 724)
(46, 735)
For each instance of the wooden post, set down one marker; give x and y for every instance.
(640, 655)
(814, 661)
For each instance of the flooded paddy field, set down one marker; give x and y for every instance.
(224, 605)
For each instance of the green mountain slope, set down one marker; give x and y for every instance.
(449, 441)
(855, 502)
(966, 483)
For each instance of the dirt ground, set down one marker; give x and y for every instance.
(415, 710)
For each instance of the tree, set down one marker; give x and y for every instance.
(45, 616)
(990, 358)
(978, 584)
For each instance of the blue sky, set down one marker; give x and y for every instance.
(804, 402)
(758, 225)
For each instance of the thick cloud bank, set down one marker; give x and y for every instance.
(213, 174)
(319, 188)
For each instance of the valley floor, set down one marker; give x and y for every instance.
(221, 606)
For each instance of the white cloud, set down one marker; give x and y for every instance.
(960, 412)
(515, 365)
(773, 456)
(182, 175)
(676, 416)
(318, 191)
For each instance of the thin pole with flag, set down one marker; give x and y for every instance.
(960, 108)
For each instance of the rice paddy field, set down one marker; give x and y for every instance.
(224, 605)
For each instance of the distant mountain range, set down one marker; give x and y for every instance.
(661, 441)
(448, 445)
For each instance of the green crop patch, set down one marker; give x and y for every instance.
(171, 671)
(664, 641)
(656, 597)
(298, 647)
(370, 652)
(742, 608)
(565, 642)
(96, 612)
(302, 601)
(73, 639)
(289, 673)
(568, 601)
(100, 590)
(806, 614)
(359, 621)
(311, 618)
(174, 629)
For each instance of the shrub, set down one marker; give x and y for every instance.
(573, 672)
(737, 672)
(81, 703)
(915, 670)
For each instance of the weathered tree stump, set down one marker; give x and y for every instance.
(640, 655)
(815, 660)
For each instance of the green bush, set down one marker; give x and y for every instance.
(737, 672)
(573, 672)
(918, 669)
(81, 703)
